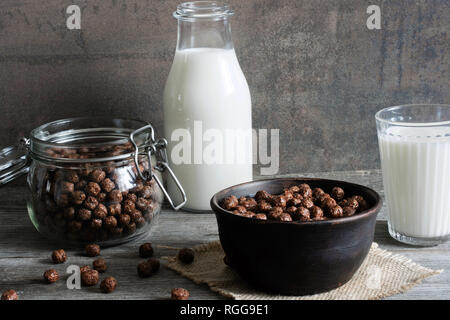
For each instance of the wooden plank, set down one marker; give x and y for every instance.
(25, 254)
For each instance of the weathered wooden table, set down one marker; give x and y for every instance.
(25, 254)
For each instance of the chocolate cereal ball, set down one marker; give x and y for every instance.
(301, 214)
(51, 276)
(279, 201)
(329, 203)
(260, 216)
(92, 250)
(84, 269)
(108, 285)
(99, 265)
(285, 217)
(291, 210)
(337, 193)
(263, 195)
(316, 213)
(59, 256)
(146, 250)
(145, 269)
(179, 294)
(186, 255)
(307, 203)
(97, 175)
(231, 202)
(317, 192)
(305, 190)
(350, 202)
(336, 212)
(96, 224)
(89, 277)
(155, 264)
(264, 206)
(93, 189)
(78, 197)
(363, 205)
(9, 295)
(348, 211)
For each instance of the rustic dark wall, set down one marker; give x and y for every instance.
(314, 69)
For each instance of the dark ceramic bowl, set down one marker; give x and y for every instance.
(296, 258)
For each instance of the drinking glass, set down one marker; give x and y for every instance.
(414, 142)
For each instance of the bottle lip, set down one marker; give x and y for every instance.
(202, 10)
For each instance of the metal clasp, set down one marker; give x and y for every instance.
(159, 149)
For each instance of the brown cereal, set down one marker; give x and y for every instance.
(260, 216)
(51, 276)
(108, 285)
(84, 214)
(89, 277)
(97, 175)
(9, 295)
(337, 193)
(99, 265)
(146, 250)
(100, 212)
(186, 255)
(145, 269)
(264, 206)
(59, 256)
(92, 250)
(279, 201)
(179, 294)
(115, 196)
(348, 211)
(114, 209)
(263, 195)
(78, 197)
(107, 185)
(307, 203)
(230, 202)
(155, 264)
(336, 212)
(93, 189)
(301, 214)
(90, 203)
(110, 222)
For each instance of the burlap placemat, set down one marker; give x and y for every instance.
(382, 274)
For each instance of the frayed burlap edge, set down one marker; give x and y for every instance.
(402, 272)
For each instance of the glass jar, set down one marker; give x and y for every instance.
(207, 106)
(89, 179)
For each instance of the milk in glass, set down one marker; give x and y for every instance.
(416, 173)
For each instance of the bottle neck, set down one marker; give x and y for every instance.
(204, 34)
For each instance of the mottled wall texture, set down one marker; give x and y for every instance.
(314, 69)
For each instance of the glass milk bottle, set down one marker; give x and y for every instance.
(207, 106)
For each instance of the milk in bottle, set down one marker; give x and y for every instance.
(207, 106)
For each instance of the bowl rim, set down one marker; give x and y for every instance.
(364, 214)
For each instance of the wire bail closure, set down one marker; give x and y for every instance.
(158, 148)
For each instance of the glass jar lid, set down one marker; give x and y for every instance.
(90, 140)
(80, 140)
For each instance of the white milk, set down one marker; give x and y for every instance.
(416, 174)
(207, 85)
